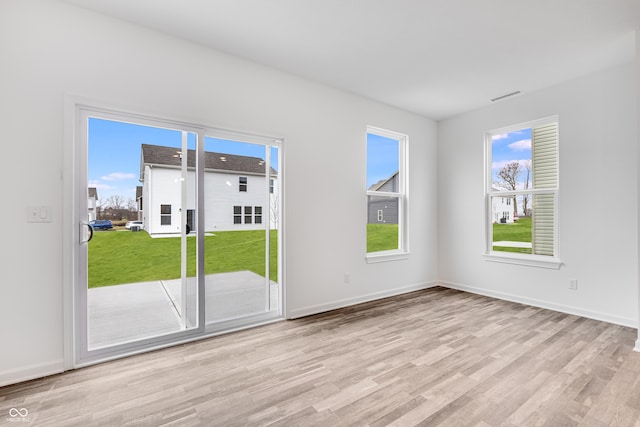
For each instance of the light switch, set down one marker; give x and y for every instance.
(38, 213)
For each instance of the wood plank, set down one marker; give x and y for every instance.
(431, 357)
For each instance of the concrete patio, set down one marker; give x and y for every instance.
(129, 312)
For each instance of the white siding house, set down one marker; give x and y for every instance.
(502, 210)
(92, 203)
(237, 195)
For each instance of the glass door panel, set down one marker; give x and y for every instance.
(141, 260)
(240, 261)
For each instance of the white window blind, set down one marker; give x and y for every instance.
(544, 157)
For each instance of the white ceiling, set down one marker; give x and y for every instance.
(437, 58)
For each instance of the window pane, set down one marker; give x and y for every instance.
(511, 233)
(382, 235)
(383, 156)
(165, 209)
(511, 165)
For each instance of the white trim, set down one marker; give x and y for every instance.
(637, 347)
(525, 125)
(402, 195)
(321, 308)
(567, 309)
(76, 109)
(384, 256)
(531, 260)
(523, 259)
(26, 373)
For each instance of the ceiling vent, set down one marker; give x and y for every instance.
(505, 96)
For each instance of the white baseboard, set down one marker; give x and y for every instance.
(13, 376)
(596, 315)
(637, 347)
(321, 308)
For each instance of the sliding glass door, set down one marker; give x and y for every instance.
(178, 232)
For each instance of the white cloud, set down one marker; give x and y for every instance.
(522, 145)
(499, 165)
(100, 186)
(118, 176)
(495, 138)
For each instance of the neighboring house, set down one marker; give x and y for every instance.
(234, 186)
(92, 203)
(139, 203)
(384, 210)
(502, 209)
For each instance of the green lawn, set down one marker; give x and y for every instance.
(382, 237)
(519, 231)
(117, 257)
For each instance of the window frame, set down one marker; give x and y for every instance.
(164, 215)
(257, 214)
(402, 195)
(237, 215)
(243, 186)
(532, 260)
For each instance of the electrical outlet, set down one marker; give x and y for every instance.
(347, 278)
(573, 284)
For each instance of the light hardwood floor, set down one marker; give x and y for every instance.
(433, 357)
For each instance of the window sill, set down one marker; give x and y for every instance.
(385, 256)
(528, 260)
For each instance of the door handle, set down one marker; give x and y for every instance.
(90, 232)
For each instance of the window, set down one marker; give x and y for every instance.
(165, 214)
(237, 214)
(386, 195)
(242, 183)
(522, 176)
(258, 214)
(247, 214)
(271, 184)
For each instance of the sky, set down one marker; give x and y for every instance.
(383, 155)
(114, 153)
(510, 147)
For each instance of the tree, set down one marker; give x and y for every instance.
(509, 174)
(525, 198)
(274, 209)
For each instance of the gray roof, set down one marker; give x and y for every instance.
(377, 185)
(169, 156)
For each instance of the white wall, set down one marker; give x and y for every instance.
(598, 170)
(51, 49)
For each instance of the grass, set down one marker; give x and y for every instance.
(117, 257)
(382, 237)
(519, 231)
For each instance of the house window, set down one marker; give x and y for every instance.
(165, 214)
(271, 184)
(258, 214)
(386, 195)
(522, 168)
(237, 214)
(242, 183)
(247, 214)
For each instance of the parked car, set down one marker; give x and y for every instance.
(101, 224)
(130, 224)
